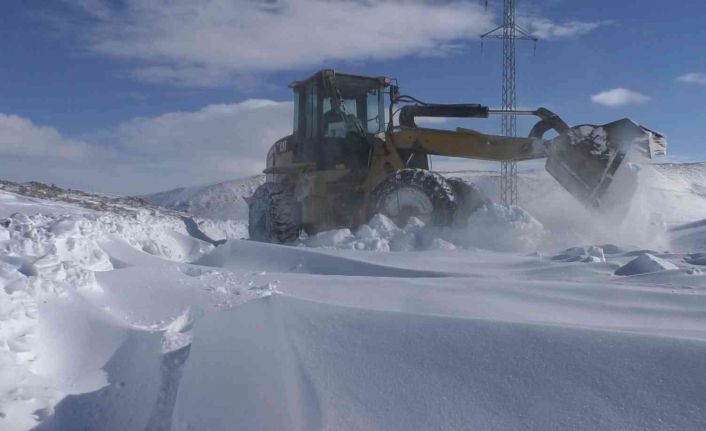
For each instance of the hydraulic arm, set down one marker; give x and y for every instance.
(583, 159)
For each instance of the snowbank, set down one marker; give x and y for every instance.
(48, 256)
(492, 227)
(645, 264)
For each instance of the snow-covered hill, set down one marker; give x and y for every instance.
(220, 208)
(113, 316)
(220, 201)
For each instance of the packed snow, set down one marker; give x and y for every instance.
(118, 315)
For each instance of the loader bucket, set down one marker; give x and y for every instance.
(589, 161)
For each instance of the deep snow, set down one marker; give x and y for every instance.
(542, 317)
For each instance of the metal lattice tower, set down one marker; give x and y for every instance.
(509, 32)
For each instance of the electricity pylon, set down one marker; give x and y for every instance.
(509, 32)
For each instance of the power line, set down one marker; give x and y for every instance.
(508, 32)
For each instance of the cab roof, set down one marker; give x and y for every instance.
(383, 80)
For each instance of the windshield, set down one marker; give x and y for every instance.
(360, 103)
(335, 125)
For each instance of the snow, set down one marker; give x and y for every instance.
(582, 254)
(315, 366)
(219, 208)
(491, 227)
(540, 317)
(220, 201)
(644, 264)
(11, 203)
(52, 343)
(500, 228)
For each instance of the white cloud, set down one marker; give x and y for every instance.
(215, 143)
(619, 97)
(546, 29)
(693, 78)
(197, 76)
(210, 43)
(21, 137)
(231, 139)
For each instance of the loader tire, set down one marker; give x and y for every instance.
(414, 193)
(274, 216)
(468, 200)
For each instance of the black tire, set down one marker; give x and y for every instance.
(468, 200)
(274, 216)
(427, 195)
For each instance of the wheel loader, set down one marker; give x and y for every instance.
(346, 160)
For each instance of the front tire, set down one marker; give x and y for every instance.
(414, 193)
(468, 200)
(274, 216)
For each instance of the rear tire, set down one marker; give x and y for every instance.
(414, 193)
(274, 216)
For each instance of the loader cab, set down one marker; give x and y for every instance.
(333, 113)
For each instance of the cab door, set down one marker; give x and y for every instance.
(306, 122)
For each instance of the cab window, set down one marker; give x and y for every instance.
(333, 122)
(305, 118)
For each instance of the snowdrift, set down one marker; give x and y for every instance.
(59, 320)
(644, 264)
(253, 256)
(116, 317)
(311, 366)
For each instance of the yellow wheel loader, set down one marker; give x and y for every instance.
(346, 160)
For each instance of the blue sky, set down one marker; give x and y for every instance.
(130, 96)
